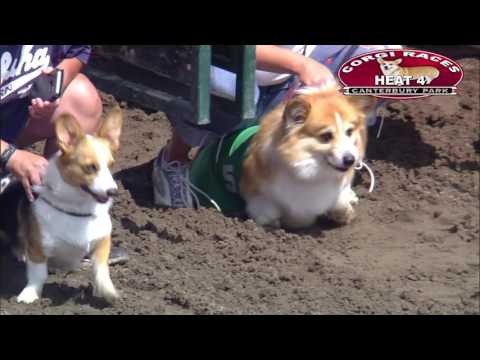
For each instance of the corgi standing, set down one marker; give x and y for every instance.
(70, 217)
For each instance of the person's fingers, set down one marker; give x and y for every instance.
(35, 177)
(40, 104)
(31, 111)
(34, 113)
(28, 189)
(42, 176)
(47, 70)
(43, 170)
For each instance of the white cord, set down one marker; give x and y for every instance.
(190, 185)
(381, 110)
(372, 176)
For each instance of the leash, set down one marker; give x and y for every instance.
(362, 165)
(195, 197)
(381, 110)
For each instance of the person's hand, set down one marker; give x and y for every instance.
(40, 109)
(28, 168)
(312, 73)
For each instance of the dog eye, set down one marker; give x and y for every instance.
(349, 132)
(90, 169)
(326, 137)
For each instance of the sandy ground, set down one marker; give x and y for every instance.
(414, 248)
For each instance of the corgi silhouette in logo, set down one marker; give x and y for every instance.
(423, 74)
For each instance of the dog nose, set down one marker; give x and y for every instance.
(112, 192)
(348, 160)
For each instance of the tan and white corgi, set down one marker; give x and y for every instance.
(300, 164)
(70, 218)
(393, 68)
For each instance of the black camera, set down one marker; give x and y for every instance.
(48, 87)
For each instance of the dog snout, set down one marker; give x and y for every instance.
(348, 160)
(112, 192)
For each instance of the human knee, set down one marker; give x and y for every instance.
(82, 100)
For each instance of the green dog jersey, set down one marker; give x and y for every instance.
(217, 171)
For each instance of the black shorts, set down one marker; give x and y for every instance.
(13, 118)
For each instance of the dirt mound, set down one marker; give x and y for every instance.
(414, 248)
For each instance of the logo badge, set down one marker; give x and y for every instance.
(400, 74)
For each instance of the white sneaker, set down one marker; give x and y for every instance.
(171, 183)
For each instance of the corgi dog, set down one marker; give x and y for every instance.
(70, 217)
(428, 73)
(300, 164)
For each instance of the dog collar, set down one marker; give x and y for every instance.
(63, 210)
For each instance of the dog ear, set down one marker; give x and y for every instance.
(380, 60)
(68, 132)
(398, 61)
(363, 103)
(111, 128)
(296, 112)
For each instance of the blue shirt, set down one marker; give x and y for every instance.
(19, 64)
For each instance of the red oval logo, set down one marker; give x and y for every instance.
(400, 74)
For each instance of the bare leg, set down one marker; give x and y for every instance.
(177, 150)
(80, 99)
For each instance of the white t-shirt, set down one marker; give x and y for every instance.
(265, 78)
(223, 82)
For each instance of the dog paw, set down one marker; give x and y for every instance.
(296, 223)
(342, 216)
(263, 212)
(268, 223)
(353, 198)
(28, 295)
(102, 285)
(267, 220)
(107, 294)
(105, 290)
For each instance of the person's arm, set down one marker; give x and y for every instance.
(278, 60)
(281, 60)
(3, 146)
(71, 68)
(76, 56)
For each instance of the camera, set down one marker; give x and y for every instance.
(48, 87)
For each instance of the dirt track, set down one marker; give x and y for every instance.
(414, 248)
